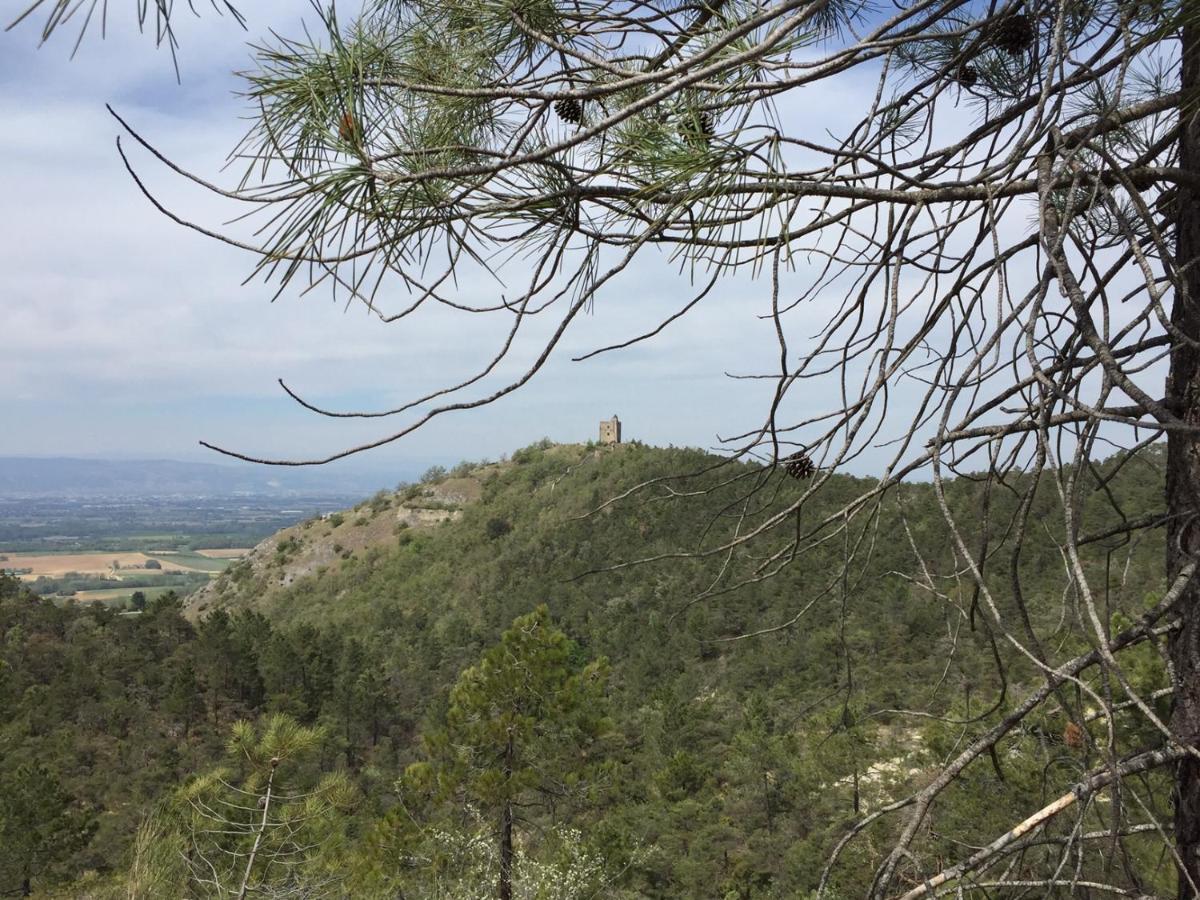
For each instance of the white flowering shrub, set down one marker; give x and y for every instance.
(464, 865)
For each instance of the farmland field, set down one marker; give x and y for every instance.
(195, 561)
(109, 595)
(112, 576)
(44, 525)
(56, 565)
(96, 549)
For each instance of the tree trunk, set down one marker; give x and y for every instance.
(767, 803)
(26, 886)
(1183, 481)
(506, 853)
(506, 832)
(262, 827)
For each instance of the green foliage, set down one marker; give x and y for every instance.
(742, 762)
(122, 708)
(522, 726)
(73, 582)
(514, 715)
(461, 860)
(759, 738)
(41, 825)
(267, 823)
(433, 475)
(497, 528)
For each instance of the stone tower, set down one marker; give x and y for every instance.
(610, 430)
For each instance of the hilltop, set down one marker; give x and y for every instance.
(543, 524)
(514, 532)
(728, 765)
(314, 547)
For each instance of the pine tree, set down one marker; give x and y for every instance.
(40, 826)
(267, 823)
(519, 730)
(184, 698)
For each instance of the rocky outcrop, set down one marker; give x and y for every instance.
(326, 541)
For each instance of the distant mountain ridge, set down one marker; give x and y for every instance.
(24, 476)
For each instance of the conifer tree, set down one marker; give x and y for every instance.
(519, 731)
(266, 824)
(40, 826)
(184, 699)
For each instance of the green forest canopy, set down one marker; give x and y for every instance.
(716, 767)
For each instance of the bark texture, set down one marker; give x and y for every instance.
(1183, 480)
(506, 831)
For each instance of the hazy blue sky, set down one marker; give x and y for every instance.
(129, 335)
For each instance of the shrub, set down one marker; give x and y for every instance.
(433, 473)
(497, 528)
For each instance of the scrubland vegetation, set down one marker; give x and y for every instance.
(484, 701)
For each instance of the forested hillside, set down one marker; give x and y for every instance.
(448, 701)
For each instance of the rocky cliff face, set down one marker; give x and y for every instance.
(321, 543)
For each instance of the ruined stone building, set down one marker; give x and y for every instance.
(610, 430)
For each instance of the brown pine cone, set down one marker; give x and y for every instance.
(798, 465)
(698, 127)
(348, 128)
(1013, 34)
(569, 110)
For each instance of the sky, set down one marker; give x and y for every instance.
(129, 336)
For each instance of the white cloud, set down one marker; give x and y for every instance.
(106, 299)
(126, 331)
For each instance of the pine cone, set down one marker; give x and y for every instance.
(348, 128)
(798, 465)
(1013, 34)
(569, 110)
(966, 75)
(1073, 736)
